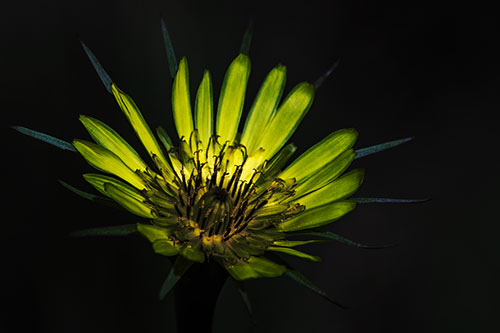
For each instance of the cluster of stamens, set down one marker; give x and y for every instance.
(217, 196)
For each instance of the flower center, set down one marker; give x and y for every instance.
(220, 198)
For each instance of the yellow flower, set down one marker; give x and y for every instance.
(217, 194)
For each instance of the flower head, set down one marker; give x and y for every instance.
(217, 194)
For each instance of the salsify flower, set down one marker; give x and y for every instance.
(217, 194)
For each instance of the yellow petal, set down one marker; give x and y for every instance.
(104, 160)
(287, 118)
(98, 182)
(112, 141)
(232, 98)
(204, 109)
(181, 104)
(129, 203)
(327, 174)
(138, 123)
(317, 217)
(341, 188)
(263, 108)
(318, 156)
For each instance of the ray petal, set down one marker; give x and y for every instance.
(104, 160)
(232, 98)
(181, 103)
(263, 108)
(287, 118)
(204, 109)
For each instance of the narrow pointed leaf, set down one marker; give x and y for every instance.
(380, 147)
(88, 196)
(172, 61)
(247, 39)
(388, 200)
(181, 265)
(332, 236)
(45, 138)
(105, 78)
(292, 243)
(119, 230)
(301, 279)
(323, 77)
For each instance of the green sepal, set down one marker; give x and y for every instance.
(247, 39)
(292, 243)
(301, 279)
(105, 78)
(86, 195)
(181, 265)
(120, 230)
(323, 77)
(335, 237)
(380, 147)
(240, 285)
(388, 200)
(61, 144)
(294, 252)
(169, 49)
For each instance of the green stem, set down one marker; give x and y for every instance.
(196, 296)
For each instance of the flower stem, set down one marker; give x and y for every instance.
(196, 296)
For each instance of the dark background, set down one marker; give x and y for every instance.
(427, 70)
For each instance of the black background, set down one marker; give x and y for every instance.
(427, 70)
